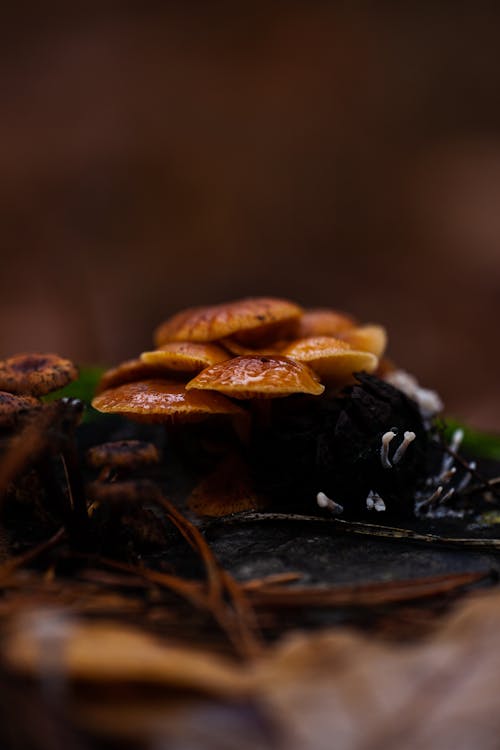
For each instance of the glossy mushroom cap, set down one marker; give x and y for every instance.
(185, 356)
(331, 358)
(370, 338)
(324, 322)
(123, 454)
(36, 374)
(163, 401)
(257, 376)
(130, 371)
(259, 315)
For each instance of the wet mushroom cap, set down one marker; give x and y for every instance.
(185, 356)
(123, 454)
(220, 321)
(36, 374)
(128, 372)
(324, 322)
(163, 401)
(13, 406)
(330, 357)
(369, 338)
(258, 377)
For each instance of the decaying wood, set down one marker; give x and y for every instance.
(368, 529)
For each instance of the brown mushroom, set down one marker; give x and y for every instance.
(128, 372)
(185, 356)
(123, 455)
(227, 489)
(239, 349)
(324, 322)
(36, 374)
(163, 401)
(331, 358)
(370, 338)
(258, 317)
(12, 407)
(126, 492)
(257, 377)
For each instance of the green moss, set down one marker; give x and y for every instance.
(476, 443)
(83, 388)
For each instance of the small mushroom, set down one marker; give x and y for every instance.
(128, 372)
(163, 401)
(324, 322)
(251, 319)
(36, 374)
(370, 338)
(185, 356)
(331, 358)
(227, 489)
(124, 455)
(120, 513)
(125, 493)
(257, 377)
(12, 407)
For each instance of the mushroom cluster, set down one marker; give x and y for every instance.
(303, 389)
(218, 359)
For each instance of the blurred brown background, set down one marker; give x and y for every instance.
(159, 155)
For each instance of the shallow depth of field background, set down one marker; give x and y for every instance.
(186, 153)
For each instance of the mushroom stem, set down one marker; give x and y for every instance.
(465, 481)
(375, 502)
(324, 501)
(449, 457)
(408, 438)
(429, 501)
(387, 437)
(262, 409)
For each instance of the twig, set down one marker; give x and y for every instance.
(11, 565)
(484, 482)
(197, 541)
(275, 579)
(368, 529)
(246, 636)
(190, 590)
(366, 595)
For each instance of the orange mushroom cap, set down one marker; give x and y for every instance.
(219, 321)
(36, 374)
(185, 356)
(331, 358)
(238, 348)
(258, 376)
(163, 401)
(324, 322)
(370, 338)
(130, 371)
